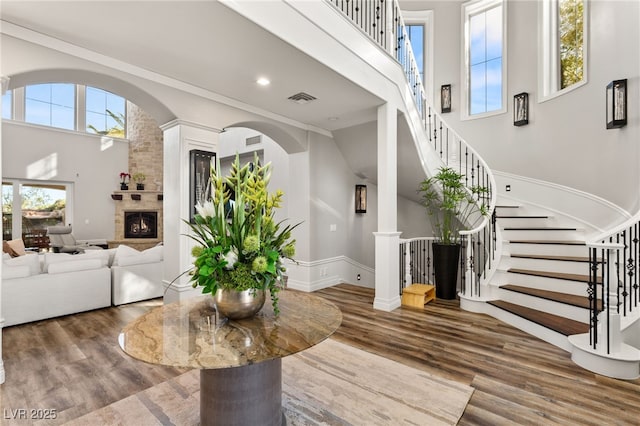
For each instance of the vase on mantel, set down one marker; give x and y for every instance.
(235, 304)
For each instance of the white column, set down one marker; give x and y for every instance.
(179, 139)
(4, 81)
(387, 239)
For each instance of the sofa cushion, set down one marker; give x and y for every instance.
(126, 255)
(30, 260)
(51, 258)
(75, 265)
(18, 271)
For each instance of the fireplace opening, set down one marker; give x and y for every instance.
(140, 224)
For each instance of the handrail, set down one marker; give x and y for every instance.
(382, 21)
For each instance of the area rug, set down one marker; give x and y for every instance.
(329, 384)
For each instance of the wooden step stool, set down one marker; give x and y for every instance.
(418, 295)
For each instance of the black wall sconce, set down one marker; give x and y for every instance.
(617, 104)
(521, 109)
(361, 198)
(445, 98)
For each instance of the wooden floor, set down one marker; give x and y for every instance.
(74, 365)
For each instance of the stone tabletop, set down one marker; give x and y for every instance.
(190, 334)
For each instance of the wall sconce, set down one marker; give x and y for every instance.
(361, 198)
(617, 104)
(445, 98)
(521, 109)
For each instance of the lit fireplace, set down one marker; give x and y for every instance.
(140, 224)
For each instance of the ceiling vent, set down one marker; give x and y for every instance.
(253, 140)
(302, 98)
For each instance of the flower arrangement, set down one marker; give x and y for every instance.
(240, 246)
(124, 177)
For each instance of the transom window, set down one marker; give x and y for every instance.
(50, 104)
(61, 105)
(484, 57)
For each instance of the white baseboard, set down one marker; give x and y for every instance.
(319, 274)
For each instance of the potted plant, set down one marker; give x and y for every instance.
(124, 180)
(450, 206)
(139, 178)
(240, 248)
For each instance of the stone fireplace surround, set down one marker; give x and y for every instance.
(150, 201)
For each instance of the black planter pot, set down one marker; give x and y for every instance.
(140, 186)
(124, 186)
(446, 263)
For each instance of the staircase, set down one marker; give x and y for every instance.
(543, 274)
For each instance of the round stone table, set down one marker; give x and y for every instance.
(240, 361)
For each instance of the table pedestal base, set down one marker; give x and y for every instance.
(247, 395)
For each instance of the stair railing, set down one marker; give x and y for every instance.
(382, 21)
(613, 279)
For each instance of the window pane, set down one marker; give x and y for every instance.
(416, 36)
(494, 33)
(7, 98)
(477, 39)
(478, 93)
(37, 112)
(7, 215)
(105, 113)
(494, 85)
(62, 117)
(42, 206)
(51, 104)
(40, 92)
(571, 34)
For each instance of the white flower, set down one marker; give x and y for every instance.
(206, 210)
(232, 258)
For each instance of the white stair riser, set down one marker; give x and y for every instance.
(547, 265)
(561, 309)
(542, 235)
(548, 249)
(541, 283)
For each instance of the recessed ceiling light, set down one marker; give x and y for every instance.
(263, 81)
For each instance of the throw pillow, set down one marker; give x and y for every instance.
(18, 271)
(18, 246)
(127, 255)
(30, 260)
(6, 248)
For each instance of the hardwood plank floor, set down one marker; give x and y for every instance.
(74, 365)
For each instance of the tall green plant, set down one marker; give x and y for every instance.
(450, 204)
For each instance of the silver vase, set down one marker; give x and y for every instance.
(235, 304)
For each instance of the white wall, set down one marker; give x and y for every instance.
(91, 163)
(566, 141)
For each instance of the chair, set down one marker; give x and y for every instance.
(61, 240)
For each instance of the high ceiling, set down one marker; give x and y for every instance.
(205, 44)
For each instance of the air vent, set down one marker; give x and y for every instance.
(302, 98)
(253, 140)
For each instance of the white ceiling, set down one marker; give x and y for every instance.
(204, 44)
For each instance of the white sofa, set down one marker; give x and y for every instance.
(42, 286)
(136, 275)
(62, 288)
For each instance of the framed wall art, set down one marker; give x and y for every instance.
(200, 164)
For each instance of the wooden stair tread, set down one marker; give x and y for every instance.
(567, 299)
(520, 217)
(539, 228)
(562, 325)
(553, 257)
(548, 274)
(556, 242)
(507, 206)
